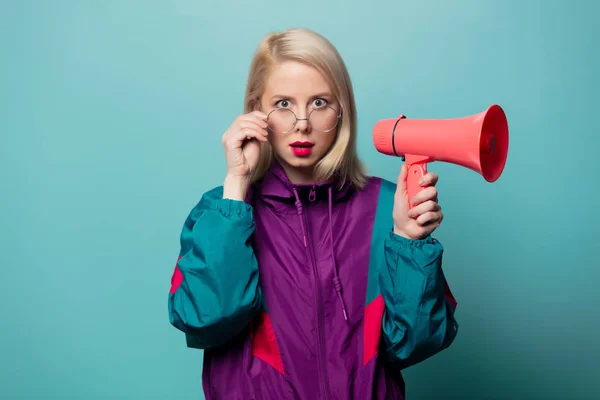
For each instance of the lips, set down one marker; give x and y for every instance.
(302, 149)
(302, 144)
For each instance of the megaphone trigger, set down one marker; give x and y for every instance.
(416, 169)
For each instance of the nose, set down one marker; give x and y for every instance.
(302, 124)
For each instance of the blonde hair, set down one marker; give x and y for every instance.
(311, 48)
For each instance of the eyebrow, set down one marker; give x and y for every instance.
(282, 96)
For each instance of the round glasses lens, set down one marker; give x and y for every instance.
(281, 120)
(323, 119)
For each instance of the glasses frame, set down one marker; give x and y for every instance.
(307, 119)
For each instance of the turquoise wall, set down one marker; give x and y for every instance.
(111, 119)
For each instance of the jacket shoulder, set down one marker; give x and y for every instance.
(383, 223)
(387, 188)
(384, 189)
(383, 192)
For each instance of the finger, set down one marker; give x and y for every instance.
(428, 193)
(429, 218)
(258, 118)
(259, 114)
(252, 122)
(430, 179)
(253, 114)
(250, 133)
(423, 208)
(248, 124)
(245, 134)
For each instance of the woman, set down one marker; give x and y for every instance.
(302, 277)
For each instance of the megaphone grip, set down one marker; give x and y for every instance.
(415, 173)
(417, 168)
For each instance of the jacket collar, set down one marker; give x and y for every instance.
(276, 185)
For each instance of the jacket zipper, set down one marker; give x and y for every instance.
(322, 366)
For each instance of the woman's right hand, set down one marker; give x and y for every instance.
(242, 142)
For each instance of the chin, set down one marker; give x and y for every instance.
(298, 162)
(302, 162)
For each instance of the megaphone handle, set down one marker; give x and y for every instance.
(417, 168)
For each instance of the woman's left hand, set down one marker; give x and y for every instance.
(426, 215)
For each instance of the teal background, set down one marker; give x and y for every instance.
(111, 119)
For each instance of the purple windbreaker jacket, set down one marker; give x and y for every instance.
(304, 292)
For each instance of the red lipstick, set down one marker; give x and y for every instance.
(302, 149)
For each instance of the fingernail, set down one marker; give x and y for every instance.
(421, 181)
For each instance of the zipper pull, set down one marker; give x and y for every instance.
(312, 196)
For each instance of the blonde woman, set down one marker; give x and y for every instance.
(301, 276)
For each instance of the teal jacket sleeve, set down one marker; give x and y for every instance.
(418, 320)
(215, 291)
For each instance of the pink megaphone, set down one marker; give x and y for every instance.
(478, 142)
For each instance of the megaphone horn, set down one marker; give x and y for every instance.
(478, 142)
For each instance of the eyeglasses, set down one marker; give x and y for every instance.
(284, 120)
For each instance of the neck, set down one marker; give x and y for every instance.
(299, 176)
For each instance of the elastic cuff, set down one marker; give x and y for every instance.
(419, 255)
(233, 208)
(403, 242)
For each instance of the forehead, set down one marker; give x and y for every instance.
(295, 79)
